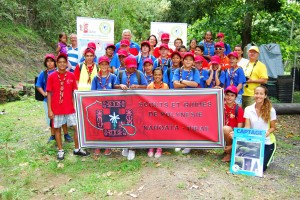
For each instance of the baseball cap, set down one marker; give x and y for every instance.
(49, 55)
(165, 36)
(124, 42)
(219, 44)
(103, 59)
(148, 60)
(199, 59)
(231, 89)
(62, 55)
(145, 43)
(175, 53)
(220, 35)
(122, 52)
(110, 46)
(164, 46)
(255, 48)
(130, 62)
(92, 45)
(188, 54)
(215, 60)
(234, 54)
(89, 49)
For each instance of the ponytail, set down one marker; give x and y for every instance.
(266, 107)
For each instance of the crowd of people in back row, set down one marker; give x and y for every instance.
(127, 65)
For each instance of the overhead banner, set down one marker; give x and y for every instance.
(176, 30)
(100, 31)
(150, 118)
(248, 152)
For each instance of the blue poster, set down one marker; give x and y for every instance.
(248, 152)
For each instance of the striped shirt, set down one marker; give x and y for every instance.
(73, 57)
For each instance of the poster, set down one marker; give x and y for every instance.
(100, 31)
(248, 152)
(176, 30)
(150, 118)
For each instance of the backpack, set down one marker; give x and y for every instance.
(138, 75)
(236, 111)
(38, 96)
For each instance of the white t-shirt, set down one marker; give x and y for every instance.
(243, 63)
(257, 122)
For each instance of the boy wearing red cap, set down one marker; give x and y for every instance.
(216, 75)
(144, 54)
(199, 60)
(148, 67)
(165, 39)
(169, 73)
(122, 55)
(91, 45)
(109, 51)
(234, 76)
(233, 116)
(86, 71)
(219, 50)
(60, 88)
(221, 38)
(115, 61)
(163, 61)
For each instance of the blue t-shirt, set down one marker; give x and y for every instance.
(133, 79)
(133, 45)
(41, 80)
(73, 57)
(208, 47)
(164, 62)
(236, 77)
(168, 77)
(109, 85)
(221, 78)
(227, 49)
(149, 78)
(192, 75)
(140, 61)
(203, 77)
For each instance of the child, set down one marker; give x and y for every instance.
(62, 43)
(199, 60)
(176, 63)
(233, 117)
(193, 44)
(182, 50)
(157, 84)
(163, 61)
(104, 80)
(216, 75)
(199, 50)
(122, 55)
(109, 51)
(148, 67)
(60, 87)
(144, 54)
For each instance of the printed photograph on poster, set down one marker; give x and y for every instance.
(247, 152)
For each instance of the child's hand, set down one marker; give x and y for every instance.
(123, 87)
(133, 86)
(50, 114)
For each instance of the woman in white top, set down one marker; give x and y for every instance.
(261, 115)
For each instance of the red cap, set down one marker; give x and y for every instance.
(124, 42)
(215, 60)
(110, 46)
(199, 59)
(50, 56)
(130, 62)
(219, 44)
(234, 54)
(232, 89)
(176, 53)
(220, 35)
(165, 36)
(148, 60)
(103, 59)
(188, 54)
(60, 55)
(122, 52)
(92, 45)
(164, 46)
(145, 43)
(89, 49)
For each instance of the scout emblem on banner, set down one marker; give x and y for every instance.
(112, 117)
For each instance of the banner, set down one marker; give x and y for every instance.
(100, 31)
(176, 30)
(248, 152)
(150, 118)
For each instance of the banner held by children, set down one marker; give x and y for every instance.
(248, 152)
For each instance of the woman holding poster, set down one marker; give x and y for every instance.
(261, 115)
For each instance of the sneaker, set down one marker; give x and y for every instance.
(150, 153)
(158, 153)
(131, 155)
(125, 152)
(177, 149)
(97, 152)
(81, 152)
(186, 150)
(107, 152)
(68, 138)
(51, 138)
(60, 155)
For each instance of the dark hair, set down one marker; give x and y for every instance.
(179, 40)
(182, 47)
(200, 47)
(267, 105)
(61, 35)
(158, 69)
(155, 39)
(212, 36)
(45, 62)
(193, 39)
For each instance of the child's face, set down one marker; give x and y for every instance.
(89, 57)
(145, 49)
(233, 61)
(198, 52)
(188, 61)
(122, 60)
(193, 44)
(164, 52)
(104, 66)
(148, 68)
(109, 51)
(62, 64)
(176, 60)
(215, 66)
(50, 63)
(177, 43)
(198, 65)
(131, 69)
(157, 76)
(230, 97)
(64, 39)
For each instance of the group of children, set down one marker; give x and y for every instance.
(122, 70)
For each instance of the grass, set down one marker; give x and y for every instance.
(296, 97)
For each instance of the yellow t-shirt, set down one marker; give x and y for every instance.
(259, 71)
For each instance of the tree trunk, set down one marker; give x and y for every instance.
(246, 30)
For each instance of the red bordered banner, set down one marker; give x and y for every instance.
(150, 118)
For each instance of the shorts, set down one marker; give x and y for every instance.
(46, 112)
(59, 120)
(238, 99)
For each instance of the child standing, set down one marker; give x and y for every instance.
(62, 43)
(60, 88)
(163, 61)
(168, 74)
(157, 84)
(148, 67)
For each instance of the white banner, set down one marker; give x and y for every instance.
(176, 30)
(100, 31)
